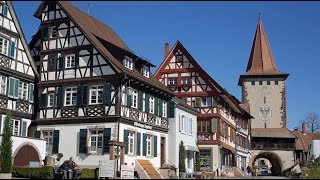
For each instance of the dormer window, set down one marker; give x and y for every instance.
(145, 71)
(179, 58)
(53, 31)
(128, 62)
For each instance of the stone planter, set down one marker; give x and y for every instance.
(5, 175)
(183, 175)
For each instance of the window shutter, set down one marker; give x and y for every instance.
(43, 100)
(144, 147)
(60, 97)
(156, 106)
(146, 101)
(5, 10)
(106, 139)
(45, 32)
(55, 144)
(170, 109)
(76, 62)
(160, 104)
(11, 87)
(107, 93)
(24, 129)
(61, 63)
(85, 95)
(155, 146)
(129, 100)
(214, 102)
(31, 91)
(138, 144)
(125, 140)
(180, 123)
(213, 125)
(16, 88)
(37, 134)
(197, 102)
(83, 141)
(140, 101)
(12, 49)
(80, 95)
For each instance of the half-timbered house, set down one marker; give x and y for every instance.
(218, 111)
(95, 93)
(17, 77)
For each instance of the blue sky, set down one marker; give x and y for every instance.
(219, 36)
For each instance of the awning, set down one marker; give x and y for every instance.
(191, 148)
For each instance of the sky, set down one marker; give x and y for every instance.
(219, 36)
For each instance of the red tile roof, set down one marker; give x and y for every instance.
(272, 132)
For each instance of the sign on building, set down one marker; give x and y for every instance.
(127, 172)
(106, 168)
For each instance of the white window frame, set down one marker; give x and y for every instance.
(149, 145)
(135, 99)
(49, 139)
(131, 142)
(151, 104)
(205, 102)
(97, 139)
(145, 71)
(70, 92)
(3, 84)
(70, 60)
(51, 99)
(186, 80)
(4, 45)
(172, 81)
(179, 56)
(190, 126)
(15, 127)
(164, 109)
(128, 62)
(182, 123)
(96, 94)
(23, 90)
(51, 31)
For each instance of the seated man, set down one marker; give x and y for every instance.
(64, 169)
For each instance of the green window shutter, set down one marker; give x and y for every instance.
(85, 95)
(11, 87)
(213, 125)
(16, 88)
(144, 147)
(125, 140)
(138, 144)
(107, 93)
(170, 110)
(214, 102)
(55, 144)
(160, 107)
(146, 102)
(80, 95)
(140, 101)
(197, 102)
(37, 134)
(76, 62)
(129, 100)
(220, 127)
(51, 64)
(5, 10)
(61, 63)
(83, 141)
(31, 91)
(156, 106)
(60, 97)
(106, 139)
(155, 146)
(45, 32)
(24, 129)
(43, 101)
(12, 49)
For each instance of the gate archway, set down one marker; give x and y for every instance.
(25, 154)
(274, 159)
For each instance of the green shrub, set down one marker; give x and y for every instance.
(197, 163)
(6, 145)
(87, 174)
(182, 158)
(27, 172)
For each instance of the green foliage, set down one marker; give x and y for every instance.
(182, 157)
(6, 145)
(313, 169)
(197, 163)
(59, 156)
(45, 172)
(87, 174)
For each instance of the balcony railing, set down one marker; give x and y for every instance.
(206, 136)
(284, 146)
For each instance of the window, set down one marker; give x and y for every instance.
(128, 63)
(148, 145)
(96, 136)
(205, 158)
(172, 81)
(71, 96)
(70, 61)
(164, 109)
(53, 31)
(4, 9)
(207, 102)
(15, 127)
(3, 84)
(182, 123)
(268, 82)
(276, 82)
(96, 94)
(4, 46)
(145, 71)
(186, 80)
(253, 82)
(51, 64)
(50, 99)
(23, 90)
(131, 143)
(179, 58)
(135, 99)
(48, 137)
(190, 125)
(260, 82)
(151, 105)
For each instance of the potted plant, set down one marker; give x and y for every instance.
(182, 158)
(6, 149)
(59, 156)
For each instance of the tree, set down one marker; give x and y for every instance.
(197, 163)
(182, 158)
(312, 122)
(6, 145)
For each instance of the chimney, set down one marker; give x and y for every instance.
(303, 129)
(166, 50)
(295, 129)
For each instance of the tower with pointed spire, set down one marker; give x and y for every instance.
(263, 85)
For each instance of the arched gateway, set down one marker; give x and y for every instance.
(274, 159)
